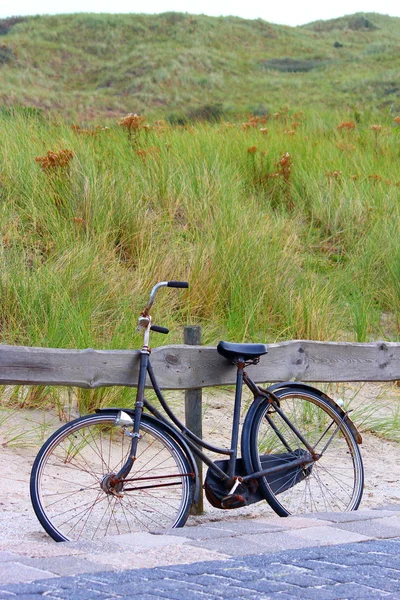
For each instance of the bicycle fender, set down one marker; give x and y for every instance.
(246, 434)
(174, 434)
(304, 386)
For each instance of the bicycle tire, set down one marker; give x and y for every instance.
(71, 467)
(332, 483)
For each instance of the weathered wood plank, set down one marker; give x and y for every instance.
(185, 367)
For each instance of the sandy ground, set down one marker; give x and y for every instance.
(23, 431)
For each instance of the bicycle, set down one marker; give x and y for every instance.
(118, 471)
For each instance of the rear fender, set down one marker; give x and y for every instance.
(308, 388)
(146, 418)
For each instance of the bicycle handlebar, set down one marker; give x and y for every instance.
(178, 284)
(174, 284)
(159, 329)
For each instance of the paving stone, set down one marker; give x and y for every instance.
(254, 565)
(363, 558)
(77, 594)
(203, 533)
(393, 521)
(139, 559)
(288, 523)
(270, 585)
(357, 591)
(328, 535)
(25, 597)
(375, 528)
(382, 545)
(8, 556)
(15, 572)
(382, 583)
(64, 565)
(353, 515)
(254, 544)
(146, 540)
(320, 593)
(244, 526)
(27, 588)
(38, 550)
(391, 507)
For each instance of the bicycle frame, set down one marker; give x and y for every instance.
(191, 440)
(231, 479)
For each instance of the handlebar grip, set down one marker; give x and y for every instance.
(159, 329)
(178, 284)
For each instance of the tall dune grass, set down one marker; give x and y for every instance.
(313, 253)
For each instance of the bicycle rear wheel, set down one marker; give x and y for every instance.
(333, 482)
(70, 489)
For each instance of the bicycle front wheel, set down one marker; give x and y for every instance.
(332, 481)
(70, 481)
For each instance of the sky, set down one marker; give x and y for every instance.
(285, 12)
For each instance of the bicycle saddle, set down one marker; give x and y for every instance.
(244, 351)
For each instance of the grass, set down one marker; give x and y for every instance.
(310, 252)
(98, 66)
(373, 408)
(285, 223)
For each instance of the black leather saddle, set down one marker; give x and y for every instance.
(245, 351)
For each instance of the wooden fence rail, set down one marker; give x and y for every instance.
(188, 367)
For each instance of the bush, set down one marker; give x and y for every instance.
(292, 65)
(7, 24)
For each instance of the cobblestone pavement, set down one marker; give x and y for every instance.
(354, 571)
(327, 556)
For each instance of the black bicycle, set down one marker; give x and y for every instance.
(119, 471)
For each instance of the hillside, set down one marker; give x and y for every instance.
(91, 66)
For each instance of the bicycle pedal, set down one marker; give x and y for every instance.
(233, 501)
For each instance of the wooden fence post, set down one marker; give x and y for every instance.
(194, 411)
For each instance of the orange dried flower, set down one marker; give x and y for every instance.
(334, 174)
(376, 127)
(54, 160)
(133, 122)
(346, 125)
(375, 177)
(285, 166)
(252, 149)
(263, 130)
(397, 120)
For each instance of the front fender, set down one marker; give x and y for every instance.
(170, 431)
(303, 386)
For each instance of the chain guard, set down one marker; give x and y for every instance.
(248, 492)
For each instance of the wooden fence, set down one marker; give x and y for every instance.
(192, 367)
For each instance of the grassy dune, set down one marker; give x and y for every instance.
(286, 228)
(90, 66)
(286, 224)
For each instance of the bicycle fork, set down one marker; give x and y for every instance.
(139, 403)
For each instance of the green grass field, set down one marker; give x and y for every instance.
(90, 66)
(286, 223)
(286, 228)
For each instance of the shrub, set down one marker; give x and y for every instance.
(7, 24)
